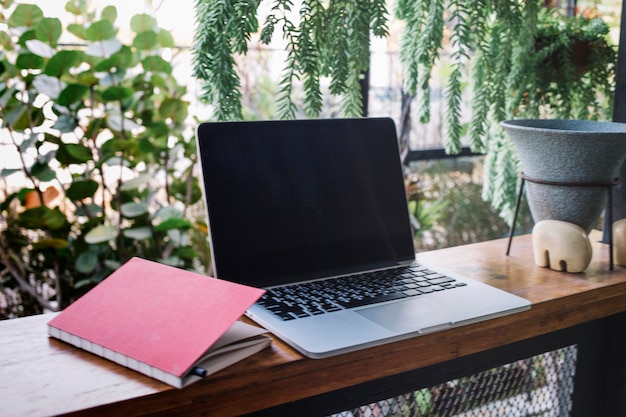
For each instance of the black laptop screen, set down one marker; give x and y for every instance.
(303, 199)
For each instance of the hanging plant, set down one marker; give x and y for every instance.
(322, 39)
(503, 45)
(574, 66)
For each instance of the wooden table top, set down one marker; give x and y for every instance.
(40, 376)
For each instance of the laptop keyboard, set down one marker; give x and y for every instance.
(334, 294)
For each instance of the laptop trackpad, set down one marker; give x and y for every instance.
(410, 315)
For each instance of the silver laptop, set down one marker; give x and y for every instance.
(315, 211)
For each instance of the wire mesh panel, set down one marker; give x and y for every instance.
(538, 386)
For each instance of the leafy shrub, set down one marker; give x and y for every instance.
(106, 155)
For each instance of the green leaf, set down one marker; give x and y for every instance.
(17, 118)
(80, 190)
(85, 283)
(121, 58)
(61, 63)
(116, 93)
(21, 194)
(117, 123)
(7, 202)
(137, 182)
(111, 79)
(186, 253)
(6, 172)
(157, 81)
(42, 172)
(101, 30)
(100, 234)
(71, 94)
(168, 212)
(65, 123)
(42, 217)
(109, 13)
(113, 146)
(29, 61)
(87, 78)
(53, 243)
(173, 223)
(178, 237)
(50, 86)
(146, 147)
(54, 219)
(146, 40)
(166, 40)
(40, 48)
(29, 141)
(8, 96)
(133, 209)
(47, 157)
(159, 129)
(77, 7)
(142, 22)
(174, 261)
(49, 30)
(7, 3)
(94, 127)
(180, 189)
(86, 262)
(6, 42)
(174, 109)
(156, 64)
(138, 233)
(92, 210)
(26, 36)
(28, 15)
(77, 30)
(112, 264)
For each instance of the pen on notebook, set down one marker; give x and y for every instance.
(197, 371)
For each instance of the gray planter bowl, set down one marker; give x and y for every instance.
(568, 151)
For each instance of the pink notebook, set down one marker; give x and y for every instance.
(163, 321)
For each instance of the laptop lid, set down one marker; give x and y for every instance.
(296, 200)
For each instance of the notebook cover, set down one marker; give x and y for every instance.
(159, 315)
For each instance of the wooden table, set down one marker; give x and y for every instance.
(41, 376)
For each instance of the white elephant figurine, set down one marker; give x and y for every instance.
(619, 242)
(561, 246)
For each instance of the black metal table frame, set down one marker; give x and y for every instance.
(599, 382)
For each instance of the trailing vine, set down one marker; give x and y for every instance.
(459, 40)
(322, 39)
(223, 31)
(419, 53)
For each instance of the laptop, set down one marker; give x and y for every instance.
(304, 208)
